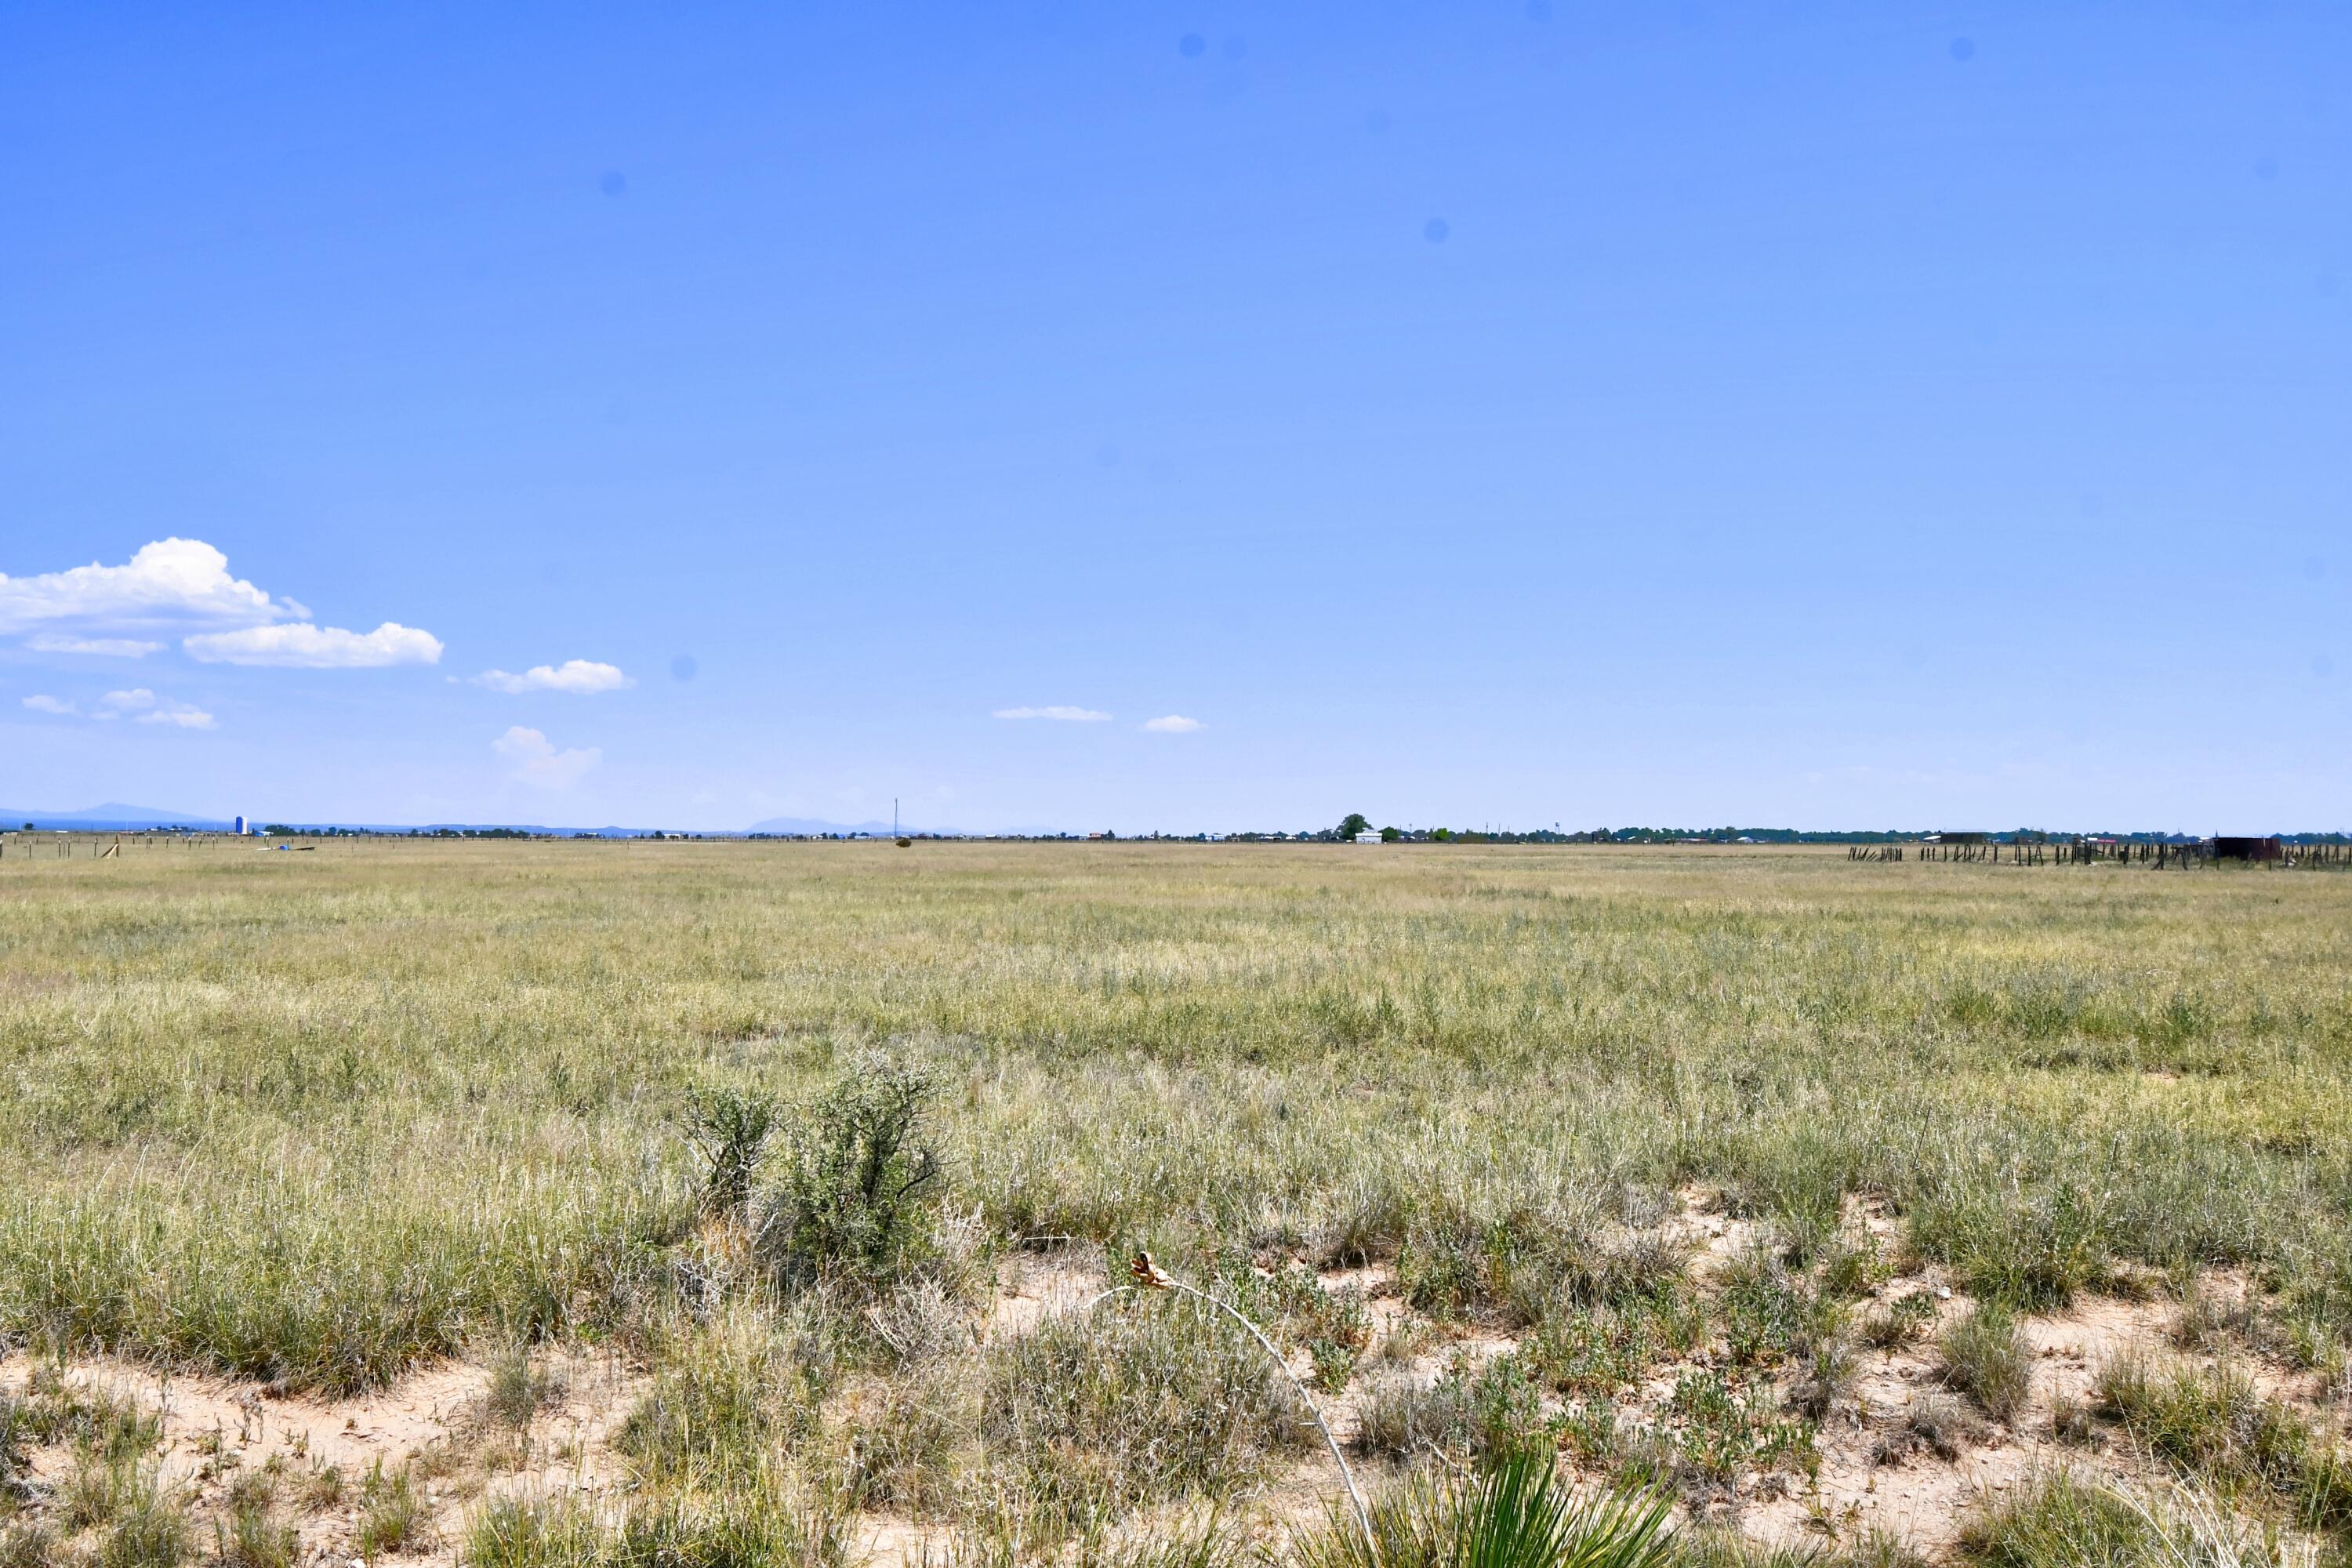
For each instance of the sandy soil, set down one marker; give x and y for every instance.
(1869, 1478)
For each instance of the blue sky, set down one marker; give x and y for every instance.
(1797, 415)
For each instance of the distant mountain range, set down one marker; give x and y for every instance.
(113, 814)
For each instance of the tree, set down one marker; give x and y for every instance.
(1355, 822)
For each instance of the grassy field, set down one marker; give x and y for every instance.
(319, 1120)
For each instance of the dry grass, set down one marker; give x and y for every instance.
(315, 1120)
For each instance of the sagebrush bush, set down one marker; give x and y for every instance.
(848, 1188)
(729, 1128)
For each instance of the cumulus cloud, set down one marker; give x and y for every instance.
(115, 703)
(1172, 724)
(304, 646)
(1070, 715)
(39, 703)
(169, 585)
(182, 587)
(105, 648)
(580, 677)
(535, 761)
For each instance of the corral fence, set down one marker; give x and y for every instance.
(2159, 857)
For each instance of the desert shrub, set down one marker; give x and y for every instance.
(1515, 1513)
(729, 1129)
(1936, 1422)
(851, 1178)
(1601, 1348)
(1092, 1415)
(1987, 1359)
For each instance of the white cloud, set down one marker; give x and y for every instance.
(105, 648)
(180, 714)
(139, 702)
(182, 587)
(169, 585)
(581, 677)
(1071, 715)
(1172, 724)
(303, 647)
(537, 762)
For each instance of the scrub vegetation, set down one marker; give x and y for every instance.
(1696, 1173)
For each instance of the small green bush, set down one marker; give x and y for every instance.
(851, 1178)
(729, 1129)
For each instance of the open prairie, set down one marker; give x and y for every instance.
(581, 1203)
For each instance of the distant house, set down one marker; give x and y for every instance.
(2247, 849)
(1369, 836)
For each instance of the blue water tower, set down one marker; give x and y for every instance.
(240, 825)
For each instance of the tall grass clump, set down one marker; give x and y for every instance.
(2058, 1519)
(1986, 1358)
(2216, 1426)
(767, 1528)
(1094, 1415)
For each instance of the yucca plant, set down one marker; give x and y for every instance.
(1517, 1513)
